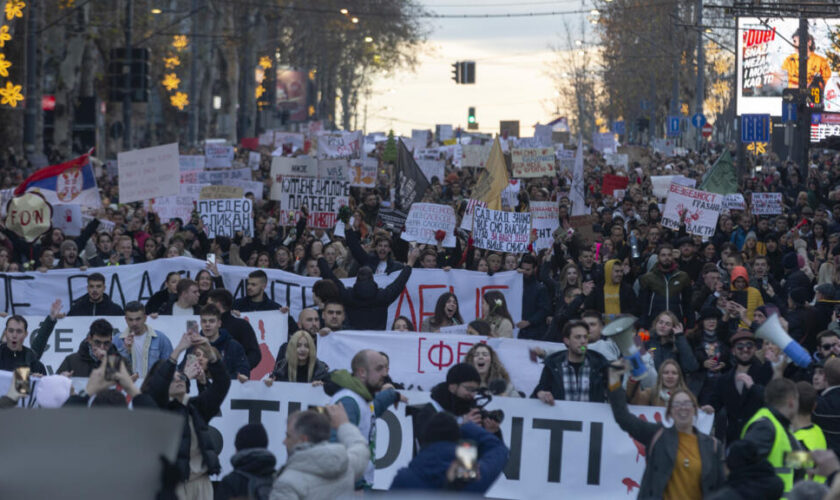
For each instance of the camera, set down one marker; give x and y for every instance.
(484, 397)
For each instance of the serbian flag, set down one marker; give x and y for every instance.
(71, 182)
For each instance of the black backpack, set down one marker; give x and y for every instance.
(259, 487)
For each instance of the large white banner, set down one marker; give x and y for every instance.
(31, 293)
(662, 183)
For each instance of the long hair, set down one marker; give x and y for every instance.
(292, 359)
(498, 305)
(655, 398)
(497, 369)
(440, 314)
(563, 282)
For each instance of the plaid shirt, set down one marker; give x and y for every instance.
(576, 385)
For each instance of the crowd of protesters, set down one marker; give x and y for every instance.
(699, 304)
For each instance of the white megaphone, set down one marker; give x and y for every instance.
(622, 332)
(773, 331)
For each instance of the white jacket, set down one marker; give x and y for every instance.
(324, 470)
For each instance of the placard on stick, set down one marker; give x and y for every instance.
(226, 217)
(501, 231)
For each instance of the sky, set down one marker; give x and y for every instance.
(513, 58)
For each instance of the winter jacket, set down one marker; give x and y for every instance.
(660, 291)
(158, 300)
(324, 470)
(243, 332)
(366, 303)
(105, 307)
(661, 449)
(367, 259)
(551, 379)
(626, 298)
(200, 409)
(81, 362)
(159, 347)
(427, 471)
(740, 407)
(827, 416)
(232, 353)
(257, 462)
(536, 306)
(29, 356)
(680, 351)
(281, 371)
(245, 304)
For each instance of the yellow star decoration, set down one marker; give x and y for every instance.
(4, 65)
(4, 36)
(10, 95)
(265, 62)
(171, 81)
(180, 100)
(260, 91)
(171, 62)
(758, 148)
(180, 41)
(14, 8)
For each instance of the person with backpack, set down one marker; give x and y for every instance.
(253, 467)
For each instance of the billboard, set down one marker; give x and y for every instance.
(824, 125)
(767, 62)
(291, 93)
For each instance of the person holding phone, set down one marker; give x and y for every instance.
(139, 343)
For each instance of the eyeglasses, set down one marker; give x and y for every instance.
(745, 345)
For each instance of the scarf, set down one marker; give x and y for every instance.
(612, 302)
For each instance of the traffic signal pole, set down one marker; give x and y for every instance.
(804, 125)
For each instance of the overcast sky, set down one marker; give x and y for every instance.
(513, 60)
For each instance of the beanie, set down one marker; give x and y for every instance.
(251, 436)
(790, 261)
(441, 427)
(462, 372)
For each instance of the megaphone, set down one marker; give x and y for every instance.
(622, 331)
(773, 331)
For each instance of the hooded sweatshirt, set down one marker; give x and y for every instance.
(749, 297)
(612, 301)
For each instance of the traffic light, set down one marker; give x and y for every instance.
(471, 115)
(463, 72)
(139, 74)
(456, 72)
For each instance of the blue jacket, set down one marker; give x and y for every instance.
(427, 471)
(233, 354)
(535, 308)
(159, 348)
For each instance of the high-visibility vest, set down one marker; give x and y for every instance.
(781, 444)
(812, 438)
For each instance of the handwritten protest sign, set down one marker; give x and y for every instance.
(617, 160)
(474, 155)
(425, 219)
(501, 231)
(467, 218)
(68, 218)
(734, 201)
(336, 170)
(226, 217)
(190, 177)
(604, 142)
(391, 218)
(323, 198)
(566, 158)
(190, 162)
(148, 173)
(662, 183)
(363, 172)
(220, 192)
(288, 141)
(301, 166)
(221, 177)
(532, 162)
(511, 193)
(254, 187)
(613, 183)
(766, 203)
(545, 219)
(432, 168)
(218, 155)
(254, 160)
(699, 210)
(339, 144)
(172, 207)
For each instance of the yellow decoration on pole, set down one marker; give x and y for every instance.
(171, 62)
(180, 100)
(758, 148)
(180, 41)
(4, 66)
(4, 36)
(11, 94)
(14, 8)
(171, 81)
(260, 90)
(265, 62)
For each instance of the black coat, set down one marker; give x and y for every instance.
(81, 363)
(740, 407)
(551, 379)
(242, 332)
(105, 307)
(367, 304)
(9, 360)
(158, 300)
(256, 462)
(827, 416)
(245, 304)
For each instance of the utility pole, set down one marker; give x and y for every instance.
(129, 18)
(192, 127)
(30, 114)
(700, 90)
(804, 124)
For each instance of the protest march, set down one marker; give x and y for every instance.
(245, 255)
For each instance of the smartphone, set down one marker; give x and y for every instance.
(191, 359)
(211, 258)
(192, 327)
(798, 459)
(466, 454)
(112, 366)
(21, 379)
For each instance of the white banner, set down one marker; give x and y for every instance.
(699, 210)
(218, 155)
(467, 219)
(322, 197)
(225, 217)
(222, 177)
(32, 292)
(604, 142)
(148, 173)
(172, 207)
(254, 187)
(300, 166)
(662, 183)
(766, 203)
(545, 219)
(425, 219)
(339, 144)
(254, 160)
(734, 201)
(501, 231)
(532, 162)
(189, 163)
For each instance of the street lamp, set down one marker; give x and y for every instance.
(344, 11)
(355, 20)
(156, 11)
(368, 39)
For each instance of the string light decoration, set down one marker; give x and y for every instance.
(4, 66)
(14, 8)
(265, 62)
(180, 42)
(180, 100)
(4, 36)
(171, 81)
(11, 94)
(259, 91)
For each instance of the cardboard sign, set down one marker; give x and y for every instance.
(511, 193)
(189, 163)
(604, 142)
(734, 201)
(363, 172)
(222, 177)
(699, 210)
(617, 160)
(227, 217)
(172, 207)
(425, 219)
(613, 183)
(473, 155)
(542, 133)
(532, 162)
(501, 231)
(766, 203)
(28, 216)
(288, 141)
(339, 144)
(218, 155)
(301, 166)
(335, 170)
(148, 173)
(323, 198)
(545, 219)
(220, 192)
(68, 218)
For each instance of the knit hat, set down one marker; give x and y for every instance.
(52, 391)
(462, 372)
(767, 310)
(799, 295)
(441, 427)
(686, 240)
(251, 436)
(790, 261)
